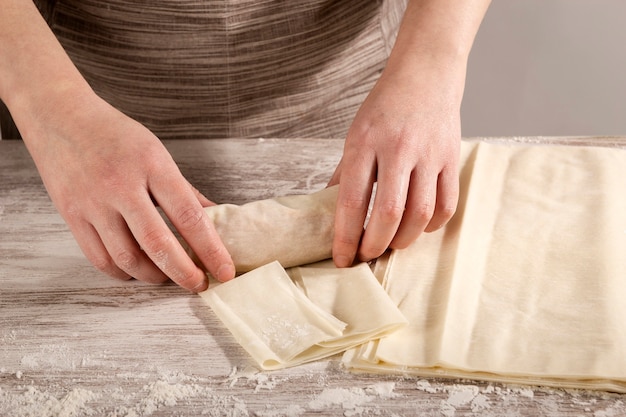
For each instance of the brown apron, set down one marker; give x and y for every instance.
(230, 68)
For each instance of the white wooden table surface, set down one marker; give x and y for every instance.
(74, 342)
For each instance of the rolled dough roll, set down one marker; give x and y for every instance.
(293, 230)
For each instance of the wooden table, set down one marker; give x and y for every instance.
(74, 342)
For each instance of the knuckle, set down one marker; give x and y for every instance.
(160, 280)
(212, 252)
(189, 217)
(184, 276)
(347, 241)
(155, 241)
(423, 212)
(71, 210)
(390, 212)
(348, 237)
(400, 146)
(126, 260)
(102, 264)
(370, 252)
(353, 202)
(107, 266)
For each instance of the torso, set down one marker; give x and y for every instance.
(245, 68)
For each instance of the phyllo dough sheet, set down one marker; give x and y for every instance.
(293, 230)
(281, 323)
(526, 284)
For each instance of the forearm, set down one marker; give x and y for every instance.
(36, 75)
(438, 27)
(437, 35)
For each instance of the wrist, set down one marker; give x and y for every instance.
(52, 106)
(436, 78)
(38, 81)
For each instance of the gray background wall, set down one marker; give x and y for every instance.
(548, 67)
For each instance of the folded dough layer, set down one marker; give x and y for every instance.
(282, 324)
(293, 230)
(526, 284)
(270, 317)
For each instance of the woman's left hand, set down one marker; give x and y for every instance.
(406, 138)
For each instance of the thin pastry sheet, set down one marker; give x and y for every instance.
(527, 282)
(282, 324)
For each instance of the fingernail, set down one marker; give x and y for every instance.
(225, 272)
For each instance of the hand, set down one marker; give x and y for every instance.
(406, 137)
(105, 173)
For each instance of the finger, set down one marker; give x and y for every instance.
(204, 202)
(419, 208)
(334, 180)
(163, 249)
(94, 250)
(181, 206)
(126, 253)
(446, 201)
(387, 212)
(355, 189)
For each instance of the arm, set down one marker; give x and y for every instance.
(406, 135)
(102, 170)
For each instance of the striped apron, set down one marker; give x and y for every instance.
(230, 68)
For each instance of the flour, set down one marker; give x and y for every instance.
(460, 396)
(164, 394)
(382, 390)
(488, 401)
(615, 410)
(347, 398)
(352, 400)
(524, 392)
(148, 400)
(158, 391)
(60, 357)
(161, 393)
(480, 403)
(262, 381)
(425, 386)
(32, 402)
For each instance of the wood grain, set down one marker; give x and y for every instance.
(74, 342)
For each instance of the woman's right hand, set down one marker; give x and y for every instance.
(105, 174)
